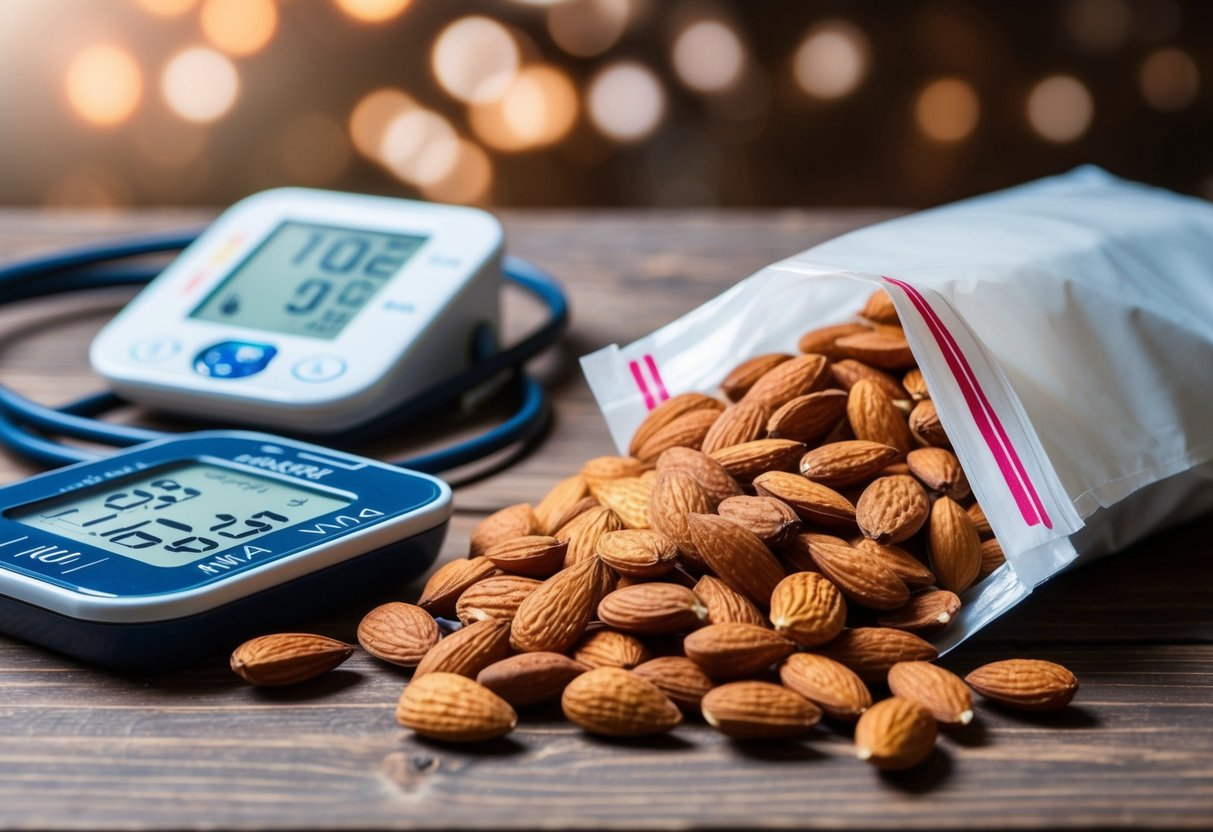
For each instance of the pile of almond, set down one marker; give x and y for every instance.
(761, 561)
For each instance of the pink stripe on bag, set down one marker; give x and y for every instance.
(634, 366)
(662, 395)
(992, 431)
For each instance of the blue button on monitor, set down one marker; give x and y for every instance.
(233, 359)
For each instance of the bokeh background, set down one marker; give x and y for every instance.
(597, 102)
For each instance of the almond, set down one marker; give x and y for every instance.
(887, 349)
(892, 509)
(879, 308)
(638, 553)
(758, 711)
(978, 516)
(821, 340)
(742, 377)
(468, 650)
(449, 707)
(676, 496)
(617, 703)
(910, 569)
(772, 521)
(808, 418)
(859, 575)
(505, 524)
(831, 686)
(652, 609)
(939, 470)
(556, 507)
(398, 633)
(874, 417)
(808, 609)
(915, 385)
(628, 497)
(610, 648)
(746, 461)
(840, 464)
(584, 531)
(667, 412)
(725, 605)
(736, 556)
(871, 651)
(603, 468)
(554, 616)
(940, 691)
(743, 422)
(924, 424)
(895, 734)
(734, 651)
(801, 375)
(1025, 684)
(496, 597)
(287, 658)
(686, 431)
(716, 482)
(679, 678)
(848, 372)
(534, 556)
(445, 586)
(955, 545)
(530, 678)
(812, 501)
(925, 613)
(992, 557)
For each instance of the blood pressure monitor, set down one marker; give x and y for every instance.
(310, 311)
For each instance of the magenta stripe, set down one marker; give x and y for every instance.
(652, 365)
(987, 421)
(644, 388)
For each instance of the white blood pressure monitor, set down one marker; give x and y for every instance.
(309, 310)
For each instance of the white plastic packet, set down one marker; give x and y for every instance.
(1064, 327)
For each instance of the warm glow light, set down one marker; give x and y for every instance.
(420, 147)
(585, 28)
(468, 180)
(538, 109)
(832, 60)
(1097, 26)
(313, 149)
(626, 101)
(372, 11)
(475, 59)
(947, 110)
(200, 85)
(1169, 80)
(104, 85)
(708, 56)
(167, 8)
(371, 117)
(1060, 108)
(239, 27)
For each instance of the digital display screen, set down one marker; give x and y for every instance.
(178, 514)
(308, 279)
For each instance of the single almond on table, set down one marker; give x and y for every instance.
(496, 597)
(507, 523)
(452, 708)
(398, 633)
(603, 468)
(667, 412)
(803, 374)
(887, 349)
(925, 613)
(940, 691)
(875, 418)
(715, 481)
(445, 586)
(654, 608)
(871, 651)
(743, 422)
(468, 650)
(618, 703)
(808, 609)
(840, 464)
(746, 461)
(287, 658)
(809, 417)
(992, 557)
(737, 557)
(535, 556)
(911, 570)
(686, 431)
(939, 470)
(679, 678)
(955, 545)
(530, 678)
(610, 648)
(734, 651)
(584, 531)
(676, 496)
(812, 501)
(859, 575)
(831, 686)
(638, 553)
(848, 371)
(770, 520)
(880, 309)
(742, 377)
(895, 734)
(758, 711)
(627, 497)
(915, 385)
(892, 509)
(554, 616)
(821, 340)
(725, 605)
(553, 511)
(924, 424)
(1025, 684)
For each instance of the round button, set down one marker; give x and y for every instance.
(233, 359)
(155, 349)
(317, 368)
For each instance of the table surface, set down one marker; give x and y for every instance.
(81, 747)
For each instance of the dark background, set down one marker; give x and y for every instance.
(901, 103)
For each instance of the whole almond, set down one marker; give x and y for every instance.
(848, 371)
(667, 412)
(530, 678)
(610, 648)
(812, 501)
(821, 340)
(808, 609)
(679, 678)
(939, 470)
(468, 650)
(398, 633)
(915, 385)
(584, 531)
(895, 734)
(925, 613)
(874, 417)
(535, 556)
(507, 523)
(871, 651)
(496, 597)
(860, 576)
(445, 586)
(686, 431)
(746, 461)
(992, 557)
(913, 573)
(978, 517)
(554, 510)
(554, 616)
(879, 308)
(743, 422)
(618, 703)
(638, 553)
(955, 545)
(676, 496)
(892, 509)
(452, 708)
(940, 691)
(603, 468)
(808, 418)
(737, 557)
(725, 605)
(887, 349)
(831, 686)
(803, 374)
(742, 377)
(716, 482)
(628, 497)
(1025, 684)
(735, 651)
(652, 609)
(772, 521)
(758, 711)
(840, 464)
(287, 658)
(924, 424)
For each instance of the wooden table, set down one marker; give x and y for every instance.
(81, 747)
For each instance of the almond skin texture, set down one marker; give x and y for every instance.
(940, 691)
(742, 377)
(667, 412)
(610, 648)
(445, 586)
(652, 609)
(679, 678)
(831, 686)
(398, 633)
(743, 422)
(925, 613)
(812, 501)
(287, 658)
(530, 678)
(627, 497)
(468, 650)
(1025, 684)
(676, 496)
(510, 522)
(452, 708)
(803, 374)
(910, 569)
(554, 616)
(939, 470)
(553, 511)
(638, 553)
(808, 418)
(758, 711)
(915, 385)
(808, 609)
(860, 576)
(871, 651)
(617, 703)
(737, 557)
(885, 349)
(746, 461)
(879, 308)
(734, 651)
(978, 516)
(924, 424)
(847, 372)
(874, 417)
(892, 509)
(895, 734)
(725, 605)
(584, 531)
(840, 464)
(770, 520)
(821, 340)
(535, 556)
(955, 545)
(603, 468)
(686, 431)
(992, 557)
(715, 481)
(497, 597)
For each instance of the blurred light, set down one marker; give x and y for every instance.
(1060, 108)
(1157, 20)
(1097, 25)
(468, 180)
(200, 85)
(104, 84)
(626, 101)
(585, 28)
(372, 11)
(313, 149)
(1169, 80)
(475, 59)
(167, 8)
(947, 110)
(371, 117)
(420, 147)
(708, 56)
(168, 143)
(538, 109)
(832, 60)
(239, 27)
(88, 188)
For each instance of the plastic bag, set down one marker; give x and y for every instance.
(1064, 327)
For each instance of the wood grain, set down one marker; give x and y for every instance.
(82, 748)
